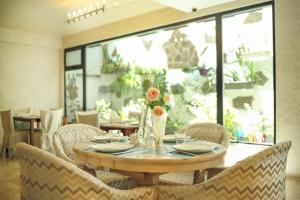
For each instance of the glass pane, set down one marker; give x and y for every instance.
(73, 58)
(118, 77)
(248, 75)
(94, 61)
(74, 93)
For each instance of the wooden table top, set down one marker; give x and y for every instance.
(150, 160)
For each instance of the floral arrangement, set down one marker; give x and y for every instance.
(159, 103)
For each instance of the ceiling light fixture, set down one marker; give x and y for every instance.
(87, 11)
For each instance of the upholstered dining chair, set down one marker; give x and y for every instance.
(51, 121)
(261, 176)
(134, 115)
(87, 117)
(45, 176)
(10, 135)
(68, 135)
(211, 132)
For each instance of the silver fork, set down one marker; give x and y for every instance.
(183, 152)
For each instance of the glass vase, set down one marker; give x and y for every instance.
(144, 131)
(158, 129)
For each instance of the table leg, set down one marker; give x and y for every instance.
(31, 133)
(38, 125)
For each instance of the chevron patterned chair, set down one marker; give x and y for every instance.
(258, 177)
(211, 132)
(68, 135)
(47, 177)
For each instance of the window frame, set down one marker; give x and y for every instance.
(219, 54)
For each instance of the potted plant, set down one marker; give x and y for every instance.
(203, 70)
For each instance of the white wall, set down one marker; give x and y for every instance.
(30, 73)
(287, 33)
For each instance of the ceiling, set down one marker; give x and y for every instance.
(189, 5)
(48, 16)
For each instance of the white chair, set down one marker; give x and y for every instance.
(134, 115)
(70, 134)
(51, 121)
(10, 135)
(203, 131)
(87, 117)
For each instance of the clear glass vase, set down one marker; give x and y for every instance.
(145, 129)
(158, 129)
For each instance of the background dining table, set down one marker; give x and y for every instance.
(126, 128)
(31, 120)
(145, 165)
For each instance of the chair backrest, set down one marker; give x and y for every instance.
(87, 117)
(68, 135)
(7, 122)
(8, 139)
(207, 131)
(261, 176)
(50, 122)
(45, 176)
(134, 115)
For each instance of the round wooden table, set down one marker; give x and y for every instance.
(146, 164)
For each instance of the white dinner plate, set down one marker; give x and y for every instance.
(112, 147)
(107, 138)
(102, 138)
(194, 148)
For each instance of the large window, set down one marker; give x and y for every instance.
(115, 74)
(248, 75)
(74, 90)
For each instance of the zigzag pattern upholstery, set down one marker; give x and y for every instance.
(258, 177)
(68, 135)
(47, 177)
(203, 131)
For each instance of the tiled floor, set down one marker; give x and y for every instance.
(10, 183)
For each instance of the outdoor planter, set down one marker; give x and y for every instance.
(239, 85)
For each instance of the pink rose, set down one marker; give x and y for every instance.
(158, 111)
(152, 94)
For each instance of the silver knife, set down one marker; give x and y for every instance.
(183, 152)
(129, 151)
